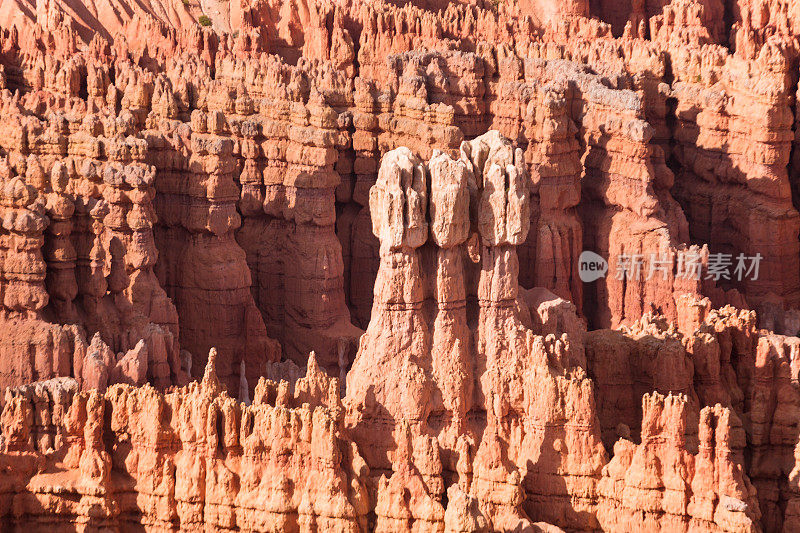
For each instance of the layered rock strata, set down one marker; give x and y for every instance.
(301, 169)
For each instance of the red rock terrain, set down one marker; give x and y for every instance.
(272, 265)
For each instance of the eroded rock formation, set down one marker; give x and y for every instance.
(371, 215)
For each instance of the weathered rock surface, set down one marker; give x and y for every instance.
(394, 197)
(191, 458)
(686, 474)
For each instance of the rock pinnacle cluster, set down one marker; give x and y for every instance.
(321, 266)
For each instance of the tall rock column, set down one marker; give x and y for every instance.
(316, 317)
(203, 266)
(288, 182)
(23, 224)
(390, 377)
(503, 223)
(27, 350)
(503, 220)
(451, 351)
(60, 254)
(541, 429)
(129, 241)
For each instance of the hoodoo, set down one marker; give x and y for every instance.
(441, 265)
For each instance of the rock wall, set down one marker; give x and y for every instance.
(395, 198)
(80, 255)
(191, 458)
(704, 490)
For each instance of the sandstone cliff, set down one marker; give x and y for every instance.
(371, 215)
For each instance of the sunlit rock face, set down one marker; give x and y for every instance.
(319, 266)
